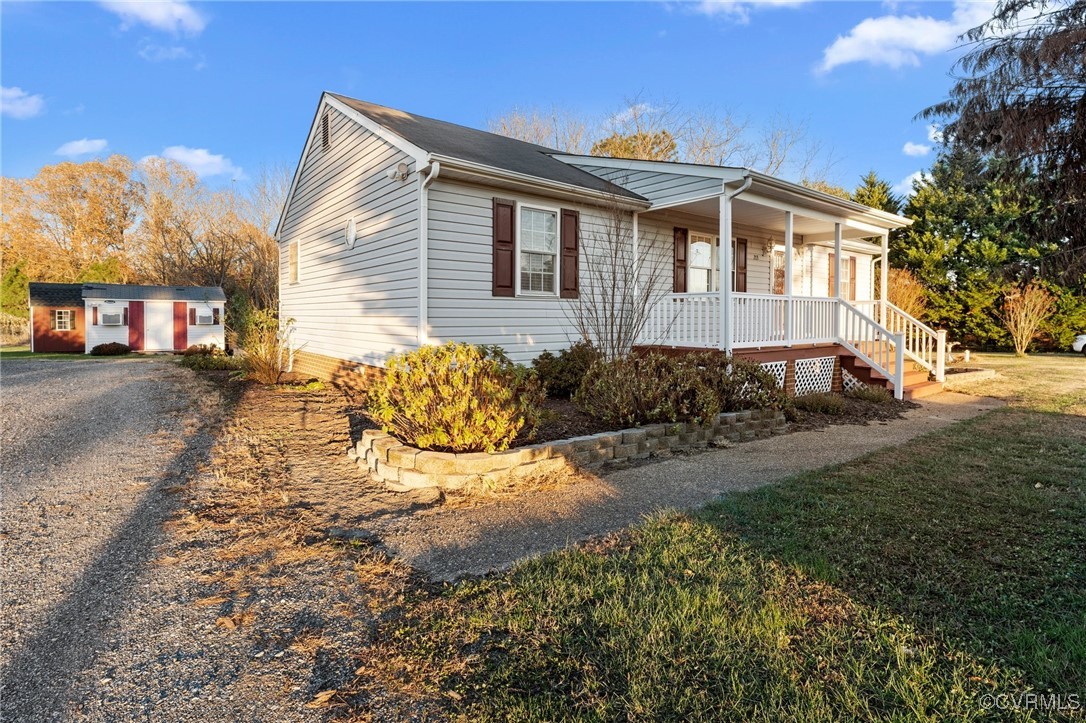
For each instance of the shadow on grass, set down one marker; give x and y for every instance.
(907, 583)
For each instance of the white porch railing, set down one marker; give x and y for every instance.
(922, 344)
(684, 320)
(872, 343)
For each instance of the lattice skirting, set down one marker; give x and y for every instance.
(777, 369)
(814, 375)
(850, 382)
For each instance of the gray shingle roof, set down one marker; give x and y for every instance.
(489, 149)
(45, 294)
(153, 293)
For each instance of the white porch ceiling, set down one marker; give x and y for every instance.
(747, 213)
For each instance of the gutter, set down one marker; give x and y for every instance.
(432, 171)
(501, 175)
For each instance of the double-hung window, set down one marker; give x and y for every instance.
(538, 250)
(701, 277)
(61, 319)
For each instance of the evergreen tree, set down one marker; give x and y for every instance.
(15, 291)
(970, 238)
(876, 193)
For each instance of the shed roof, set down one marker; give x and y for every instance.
(476, 146)
(153, 293)
(46, 294)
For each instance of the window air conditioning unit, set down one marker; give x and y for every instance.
(205, 319)
(111, 319)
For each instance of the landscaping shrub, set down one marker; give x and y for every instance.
(650, 387)
(456, 398)
(265, 350)
(821, 403)
(111, 349)
(878, 395)
(202, 350)
(208, 357)
(646, 388)
(562, 374)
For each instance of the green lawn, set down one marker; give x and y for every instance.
(905, 585)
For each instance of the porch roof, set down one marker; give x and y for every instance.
(765, 190)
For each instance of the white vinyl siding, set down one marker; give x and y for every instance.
(206, 333)
(358, 304)
(462, 306)
(101, 334)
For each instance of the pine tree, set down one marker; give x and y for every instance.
(876, 193)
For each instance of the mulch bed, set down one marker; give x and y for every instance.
(857, 411)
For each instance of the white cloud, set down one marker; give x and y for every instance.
(905, 186)
(17, 103)
(900, 40)
(82, 147)
(175, 16)
(159, 53)
(739, 10)
(915, 149)
(203, 162)
(935, 133)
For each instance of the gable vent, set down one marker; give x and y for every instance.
(326, 136)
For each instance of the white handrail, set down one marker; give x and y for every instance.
(873, 344)
(923, 344)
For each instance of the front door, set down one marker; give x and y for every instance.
(158, 326)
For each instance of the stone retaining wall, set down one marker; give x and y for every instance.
(404, 468)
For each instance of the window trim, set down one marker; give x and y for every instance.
(520, 205)
(715, 260)
(296, 276)
(68, 316)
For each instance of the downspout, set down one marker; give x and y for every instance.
(724, 257)
(432, 170)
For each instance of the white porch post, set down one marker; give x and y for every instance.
(788, 301)
(724, 261)
(837, 278)
(883, 274)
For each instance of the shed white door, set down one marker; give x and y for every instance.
(158, 326)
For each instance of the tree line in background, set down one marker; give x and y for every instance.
(152, 222)
(996, 252)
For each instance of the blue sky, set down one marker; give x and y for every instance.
(227, 87)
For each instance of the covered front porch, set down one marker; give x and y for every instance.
(802, 268)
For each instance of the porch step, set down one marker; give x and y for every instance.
(913, 392)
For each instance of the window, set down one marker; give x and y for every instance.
(700, 277)
(538, 250)
(848, 277)
(111, 319)
(60, 319)
(292, 262)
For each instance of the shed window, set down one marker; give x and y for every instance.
(538, 250)
(60, 319)
(292, 262)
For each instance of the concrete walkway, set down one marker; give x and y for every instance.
(450, 543)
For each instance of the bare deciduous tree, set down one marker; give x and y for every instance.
(906, 292)
(556, 128)
(1024, 310)
(617, 289)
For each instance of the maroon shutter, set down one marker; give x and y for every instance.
(504, 248)
(94, 316)
(831, 275)
(679, 283)
(125, 316)
(571, 231)
(215, 316)
(741, 265)
(192, 317)
(852, 278)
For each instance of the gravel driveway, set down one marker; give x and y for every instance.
(91, 452)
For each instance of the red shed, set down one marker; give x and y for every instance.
(57, 318)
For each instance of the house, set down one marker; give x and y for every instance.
(78, 317)
(401, 230)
